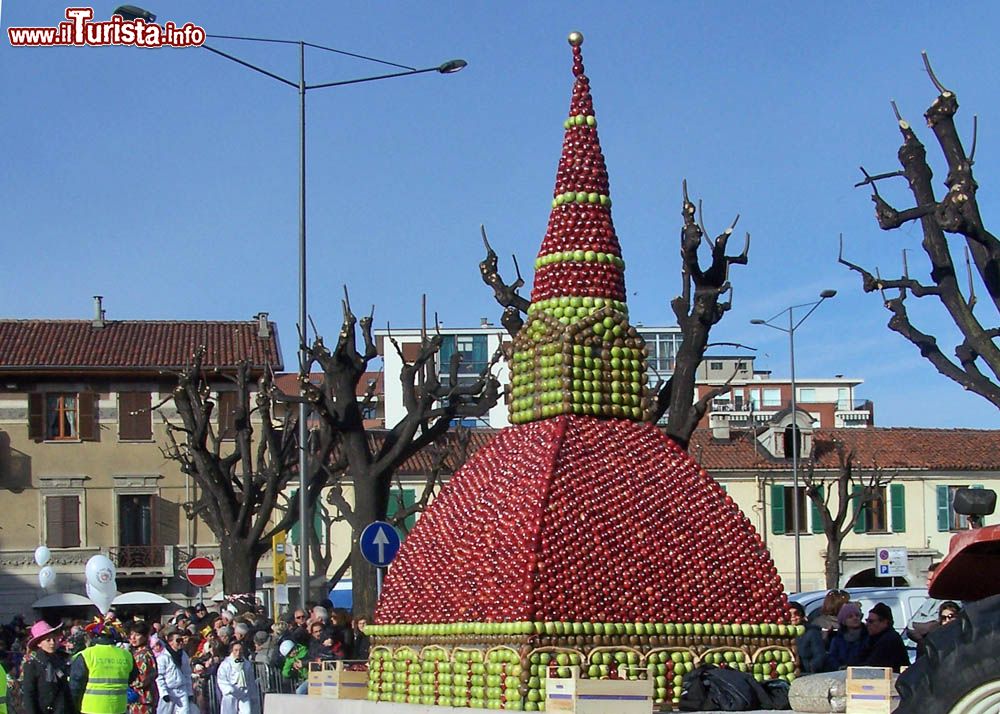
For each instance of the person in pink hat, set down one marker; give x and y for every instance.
(45, 675)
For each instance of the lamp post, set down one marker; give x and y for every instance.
(790, 330)
(131, 12)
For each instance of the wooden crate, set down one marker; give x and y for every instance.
(317, 677)
(598, 696)
(342, 683)
(331, 680)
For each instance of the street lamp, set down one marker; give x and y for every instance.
(131, 12)
(792, 327)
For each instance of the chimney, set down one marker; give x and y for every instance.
(263, 326)
(719, 424)
(485, 322)
(98, 322)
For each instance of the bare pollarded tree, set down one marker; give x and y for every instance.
(242, 475)
(706, 295)
(432, 398)
(840, 497)
(975, 363)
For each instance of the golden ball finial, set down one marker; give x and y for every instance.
(575, 38)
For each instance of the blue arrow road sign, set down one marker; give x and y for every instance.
(379, 543)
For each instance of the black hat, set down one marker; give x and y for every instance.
(883, 611)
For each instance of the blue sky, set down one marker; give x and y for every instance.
(167, 180)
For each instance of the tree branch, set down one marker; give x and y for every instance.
(514, 305)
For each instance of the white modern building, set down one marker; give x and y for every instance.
(754, 396)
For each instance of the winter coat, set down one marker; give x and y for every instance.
(173, 684)
(288, 669)
(885, 649)
(844, 653)
(238, 687)
(812, 652)
(45, 684)
(362, 644)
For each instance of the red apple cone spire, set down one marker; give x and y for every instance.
(580, 255)
(577, 353)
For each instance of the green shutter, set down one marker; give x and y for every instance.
(859, 525)
(777, 510)
(897, 496)
(817, 513)
(409, 498)
(319, 512)
(943, 510)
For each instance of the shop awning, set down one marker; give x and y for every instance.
(140, 597)
(61, 600)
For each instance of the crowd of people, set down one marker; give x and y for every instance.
(839, 635)
(195, 662)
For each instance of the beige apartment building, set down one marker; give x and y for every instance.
(913, 511)
(81, 465)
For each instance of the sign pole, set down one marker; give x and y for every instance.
(379, 543)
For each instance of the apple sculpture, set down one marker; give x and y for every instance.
(581, 540)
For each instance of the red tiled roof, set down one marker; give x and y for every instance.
(892, 448)
(289, 382)
(76, 344)
(423, 461)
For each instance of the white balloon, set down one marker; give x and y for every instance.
(99, 598)
(42, 555)
(46, 576)
(101, 574)
(108, 588)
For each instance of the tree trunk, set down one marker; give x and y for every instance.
(364, 584)
(681, 422)
(363, 577)
(239, 566)
(833, 543)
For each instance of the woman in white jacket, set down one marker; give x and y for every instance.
(173, 674)
(237, 685)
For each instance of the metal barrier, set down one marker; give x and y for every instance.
(270, 680)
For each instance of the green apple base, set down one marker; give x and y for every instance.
(504, 665)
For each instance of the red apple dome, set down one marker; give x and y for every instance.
(586, 520)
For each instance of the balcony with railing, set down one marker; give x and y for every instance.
(859, 413)
(143, 561)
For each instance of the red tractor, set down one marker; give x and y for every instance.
(961, 672)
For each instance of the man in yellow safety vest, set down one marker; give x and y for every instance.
(3, 690)
(100, 674)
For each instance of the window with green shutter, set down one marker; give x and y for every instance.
(320, 516)
(859, 524)
(897, 501)
(778, 510)
(816, 512)
(409, 497)
(943, 509)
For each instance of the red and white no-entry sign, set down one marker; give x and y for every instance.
(200, 571)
